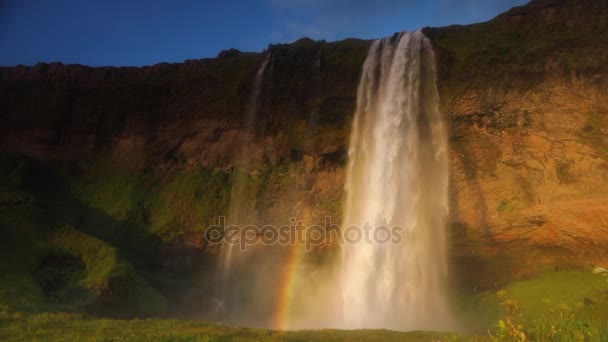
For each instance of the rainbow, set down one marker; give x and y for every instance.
(286, 288)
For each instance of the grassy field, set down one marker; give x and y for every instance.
(558, 306)
(66, 327)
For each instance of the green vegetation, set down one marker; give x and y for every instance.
(511, 54)
(20, 254)
(69, 327)
(86, 242)
(110, 188)
(12, 197)
(102, 261)
(556, 306)
(163, 205)
(190, 201)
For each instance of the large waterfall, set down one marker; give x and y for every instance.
(397, 178)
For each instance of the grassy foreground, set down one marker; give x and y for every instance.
(557, 306)
(66, 327)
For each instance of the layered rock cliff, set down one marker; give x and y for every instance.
(526, 97)
(151, 148)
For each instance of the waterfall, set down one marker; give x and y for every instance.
(397, 177)
(313, 117)
(252, 111)
(239, 211)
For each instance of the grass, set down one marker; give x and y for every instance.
(556, 306)
(569, 288)
(20, 254)
(102, 261)
(106, 282)
(106, 223)
(19, 257)
(67, 327)
(53, 253)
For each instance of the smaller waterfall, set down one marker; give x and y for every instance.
(252, 111)
(238, 212)
(316, 92)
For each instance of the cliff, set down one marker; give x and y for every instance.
(525, 95)
(143, 156)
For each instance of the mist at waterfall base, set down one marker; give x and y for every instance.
(397, 175)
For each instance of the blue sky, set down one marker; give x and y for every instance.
(138, 32)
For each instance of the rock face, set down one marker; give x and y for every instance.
(524, 95)
(190, 110)
(529, 173)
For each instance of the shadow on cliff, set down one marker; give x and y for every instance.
(52, 206)
(480, 261)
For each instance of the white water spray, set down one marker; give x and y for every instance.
(397, 176)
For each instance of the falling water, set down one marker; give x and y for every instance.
(238, 213)
(313, 117)
(397, 176)
(252, 110)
